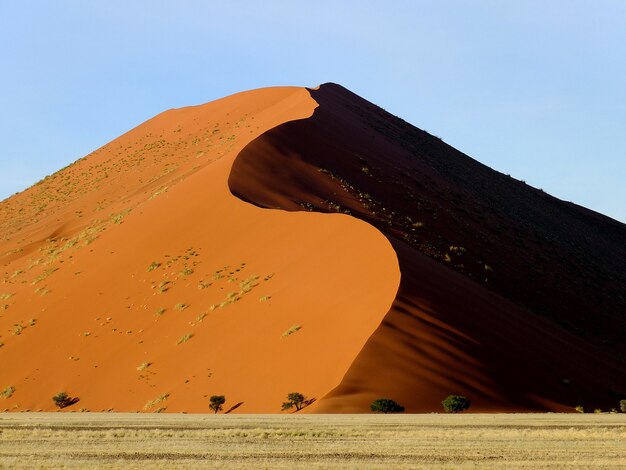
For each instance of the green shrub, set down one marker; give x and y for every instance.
(386, 405)
(580, 409)
(455, 404)
(622, 405)
(216, 402)
(296, 400)
(63, 400)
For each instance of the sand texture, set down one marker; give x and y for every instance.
(144, 284)
(508, 295)
(291, 239)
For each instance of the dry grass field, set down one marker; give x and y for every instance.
(101, 440)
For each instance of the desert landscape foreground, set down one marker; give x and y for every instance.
(125, 440)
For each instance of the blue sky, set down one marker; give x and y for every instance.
(536, 89)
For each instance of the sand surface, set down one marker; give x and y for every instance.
(141, 283)
(456, 325)
(303, 240)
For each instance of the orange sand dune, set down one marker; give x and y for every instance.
(287, 239)
(111, 262)
(485, 306)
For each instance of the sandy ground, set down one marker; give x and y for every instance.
(455, 325)
(135, 281)
(501, 441)
(290, 239)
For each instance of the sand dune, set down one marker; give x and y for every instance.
(150, 225)
(485, 306)
(291, 239)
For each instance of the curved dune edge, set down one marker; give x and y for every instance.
(444, 334)
(85, 290)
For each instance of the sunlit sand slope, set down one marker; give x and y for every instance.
(135, 281)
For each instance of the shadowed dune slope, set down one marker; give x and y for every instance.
(508, 295)
(135, 281)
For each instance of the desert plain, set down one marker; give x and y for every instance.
(442, 441)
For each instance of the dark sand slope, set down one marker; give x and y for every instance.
(507, 295)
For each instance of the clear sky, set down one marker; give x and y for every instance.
(536, 89)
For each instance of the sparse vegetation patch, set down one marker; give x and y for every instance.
(291, 330)
(153, 266)
(152, 403)
(184, 338)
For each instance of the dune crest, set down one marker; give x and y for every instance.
(150, 275)
(135, 281)
(473, 315)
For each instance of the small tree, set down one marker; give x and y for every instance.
(622, 405)
(296, 400)
(455, 404)
(62, 400)
(216, 402)
(386, 405)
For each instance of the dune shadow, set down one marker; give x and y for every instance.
(450, 329)
(233, 408)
